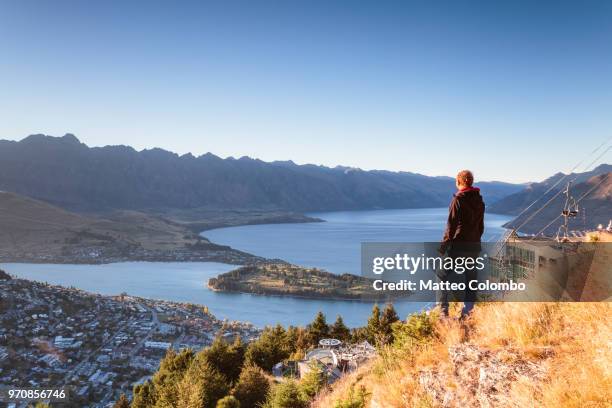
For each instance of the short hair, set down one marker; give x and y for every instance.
(465, 178)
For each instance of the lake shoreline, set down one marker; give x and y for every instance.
(185, 283)
(173, 236)
(333, 245)
(335, 299)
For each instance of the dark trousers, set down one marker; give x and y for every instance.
(468, 296)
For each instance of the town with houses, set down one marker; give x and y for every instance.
(95, 346)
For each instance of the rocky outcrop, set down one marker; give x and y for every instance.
(479, 377)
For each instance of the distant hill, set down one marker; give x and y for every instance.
(65, 172)
(594, 209)
(28, 224)
(35, 231)
(513, 204)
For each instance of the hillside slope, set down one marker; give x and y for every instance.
(508, 355)
(32, 230)
(513, 204)
(594, 209)
(67, 173)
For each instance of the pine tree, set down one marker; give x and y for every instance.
(227, 359)
(271, 347)
(297, 337)
(339, 330)
(235, 358)
(144, 395)
(388, 317)
(171, 370)
(314, 380)
(202, 385)
(359, 334)
(373, 327)
(252, 387)
(318, 329)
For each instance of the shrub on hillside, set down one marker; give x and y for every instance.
(354, 399)
(286, 395)
(228, 402)
(314, 380)
(419, 328)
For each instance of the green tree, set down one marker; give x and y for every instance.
(373, 327)
(226, 358)
(354, 399)
(297, 338)
(122, 402)
(318, 329)
(359, 334)
(144, 395)
(236, 352)
(252, 387)
(271, 347)
(202, 385)
(286, 395)
(339, 330)
(228, 402)
(419, 328)
(388, 317)
(314, 380)
(165, 381)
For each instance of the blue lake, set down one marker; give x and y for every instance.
(333, 245)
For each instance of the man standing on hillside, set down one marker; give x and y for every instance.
(464, 228)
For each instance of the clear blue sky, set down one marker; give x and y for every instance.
(513, 90)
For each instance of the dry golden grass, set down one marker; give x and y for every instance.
(571, 343)
(341, 388)
(575, 338)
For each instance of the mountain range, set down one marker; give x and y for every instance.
(67, 173)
